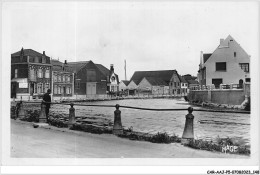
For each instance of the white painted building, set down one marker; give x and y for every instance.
(123, 85)
(228, 64)
(113, 83)
(155, 86)
(132, 85)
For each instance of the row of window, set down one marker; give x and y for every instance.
(39, 73)
(41, 87)
(113, 88)
(33, 73)
(184, 84)
(62, 90)
(61, 78)
(37, 59)
(222, 66)
(175, 84)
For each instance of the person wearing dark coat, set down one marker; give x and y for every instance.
(47, 98)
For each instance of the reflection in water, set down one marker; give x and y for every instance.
(207, 125)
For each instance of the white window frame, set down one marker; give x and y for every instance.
(39, 73)
(55, 89)
(47, 73)
(39, 90)
(59, 89)
(32, 74)
(15, 73)
(68, 90)
(59, 78)
(47, 86)
(54, 77)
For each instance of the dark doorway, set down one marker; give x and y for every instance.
(217, 82)
(13, 89)
(241, 83)
(31, 89)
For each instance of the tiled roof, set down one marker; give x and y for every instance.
(106, 71)
(126, 82)
(28, 52)
(56, 65)
(193, 82)
(75, 66)
(182, 79)
(156, 81)
(206, 56)
(103, 69)
(189, 77)
(165, 75)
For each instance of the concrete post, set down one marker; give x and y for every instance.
(117, 128)
(209, 95)
(71, 115)
(220, 86)
(188, 134)
(21, 113)
(42, 117)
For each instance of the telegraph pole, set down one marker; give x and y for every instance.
(125, 71)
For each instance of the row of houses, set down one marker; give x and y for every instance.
(33, 73)
(161, 82)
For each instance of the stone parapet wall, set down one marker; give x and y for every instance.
(223, 96)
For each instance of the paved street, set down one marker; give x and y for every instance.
(29, 142)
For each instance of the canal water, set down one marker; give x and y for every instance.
(207, 125)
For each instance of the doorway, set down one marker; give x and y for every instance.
(13, 89)
(241, 83)
(91, 89)
(31, 89)
(217, 82)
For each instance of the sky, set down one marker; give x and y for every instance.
(149, 35)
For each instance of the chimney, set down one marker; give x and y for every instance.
(111, 68)
(201, 59)
(43, 52)
(65, 62)
(21, 55)
(221, 42)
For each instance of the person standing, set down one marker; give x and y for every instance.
(47, 101)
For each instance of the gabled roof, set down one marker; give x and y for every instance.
(126, 82)
(189, 77)
(156, 81)
(106, 71)
(56, 65)
(103, 69)
(206, 56)
(192, 82)
(165, 75)
(135, 81)
(223, 45)
(28, 52)
(75, 66)
(182, 79)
